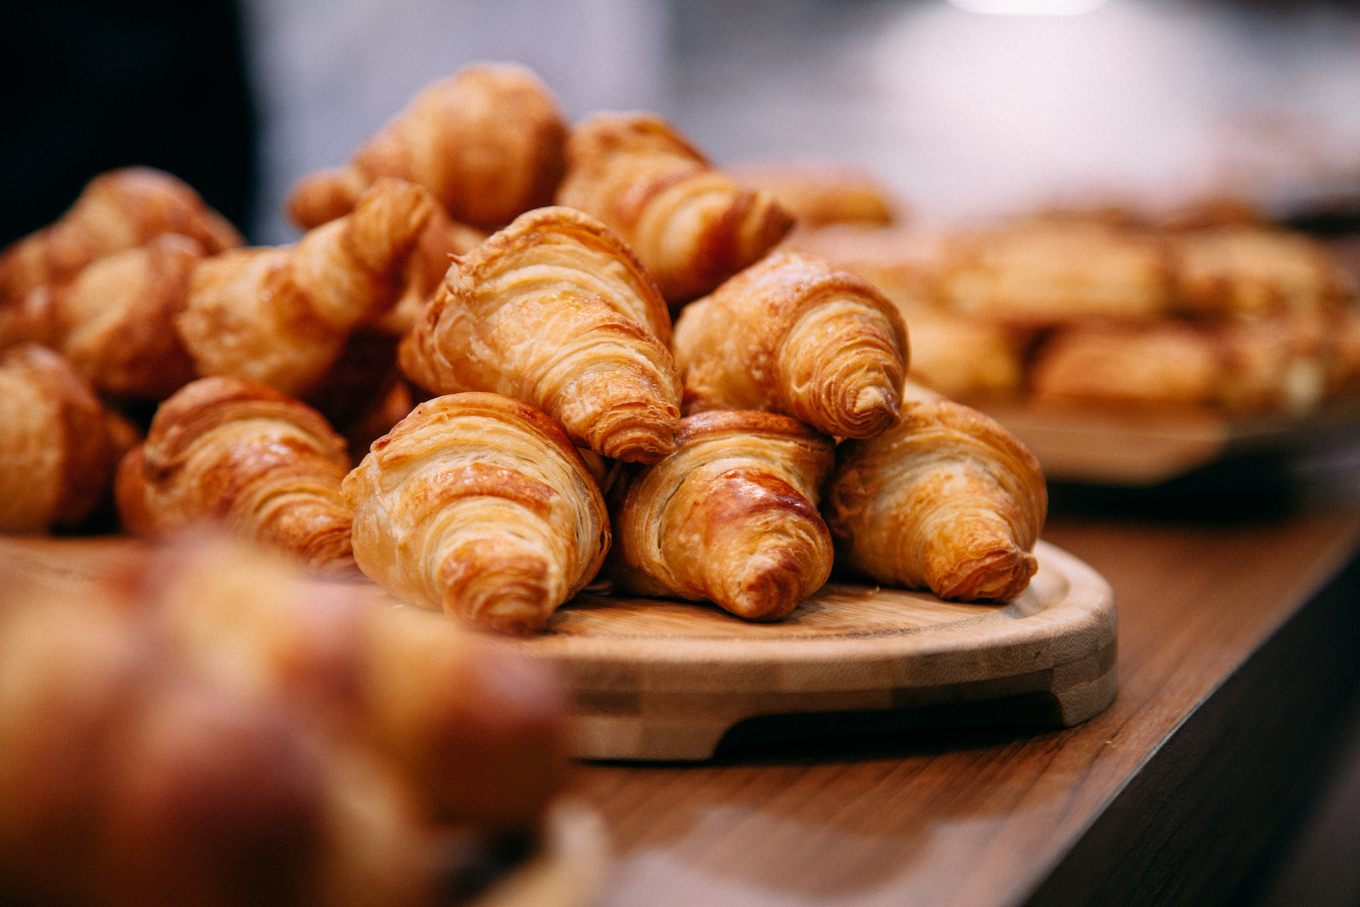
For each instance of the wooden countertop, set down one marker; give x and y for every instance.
(1235, 648)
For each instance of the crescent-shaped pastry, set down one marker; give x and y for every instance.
(57, 458)
(947, 501)
(730, 516)
(690, 224)
(480, 506)
(556, 312)
(486, 142)
(118, 210)
(114, 321)
(226, 450)
(280, 316)
(818, 193)
(792, 335)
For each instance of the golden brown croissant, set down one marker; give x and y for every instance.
(792, 335)
(265, 465)
(947, 501)
(817, 193)
(440, 241)
(57, 458)
(207, 727)
(117, 210)
(114, 321)
(555, 311)
(730, 516)
(479, 505)
(487, 142)
(280, 316)
(690, 224)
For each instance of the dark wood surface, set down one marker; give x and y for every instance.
(1235, 647)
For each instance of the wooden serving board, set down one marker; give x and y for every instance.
(1143, 447)
(656, 679)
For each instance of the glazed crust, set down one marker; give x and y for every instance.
(486, 142)
(690, 224)
(57, 458)
(793, 335)
(117, 210)
(227, 450)
(946, 501)
(556, 312)
(280, 316)
(478, 505)
(730, 516)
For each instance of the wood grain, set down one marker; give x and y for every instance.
(979, 816)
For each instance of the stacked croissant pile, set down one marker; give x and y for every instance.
(1209, 306)
(560, 354)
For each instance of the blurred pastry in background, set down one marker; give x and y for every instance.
(818, 193)
(59, 446)
(486, 142)
(691, 224)
(118, 210)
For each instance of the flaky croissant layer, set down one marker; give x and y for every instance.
(793, 335)
(947, 501)
(478, 505)
(557, 312)
(730, 516)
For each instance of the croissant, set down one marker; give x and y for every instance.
(487, 142)
(556, 312)
(117, 210)
(691, 225)
(947, 501)
(267, 466)
(280, 316)
(130, 775)
(730, 516)
(440, 241)
(818, 193)
(114, 321)
(794, 336)
(479, 505)
(57, 456)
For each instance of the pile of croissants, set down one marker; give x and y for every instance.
(572, 353)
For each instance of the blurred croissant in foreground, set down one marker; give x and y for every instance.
(480, 506)
(59, 447)
(556, 311)
(947, 501)
(690, 224)
(117, 210)
(730, 516)
(204, 726)
(486, 142)
(792, 335)
(263, 464)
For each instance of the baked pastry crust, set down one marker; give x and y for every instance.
(264, 465)
(818, 193)
(117, 210)
(486, 142)
(555, 311)
(478, 505)
(690, 224)
(57, 457)
(280, 316)
(793, 335)
(947, 501)
(730, 516)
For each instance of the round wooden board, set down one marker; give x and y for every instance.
(657, 679)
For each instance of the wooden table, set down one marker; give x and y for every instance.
(1236, 652)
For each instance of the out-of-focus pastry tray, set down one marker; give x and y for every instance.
(656, 679)
(1131, 447)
